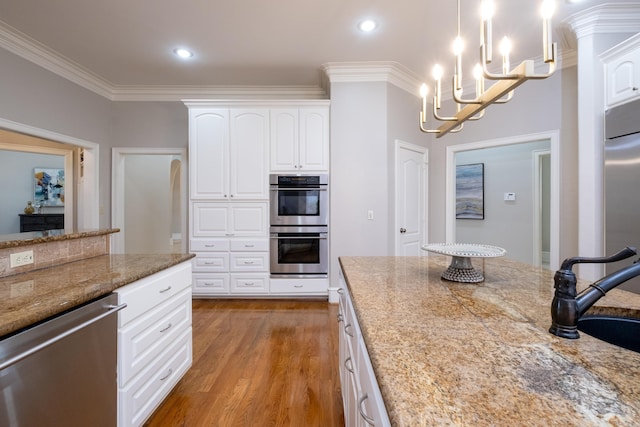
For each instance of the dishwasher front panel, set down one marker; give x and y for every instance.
(62, 372)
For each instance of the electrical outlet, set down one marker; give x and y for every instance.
(21, 258)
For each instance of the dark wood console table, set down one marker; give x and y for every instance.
(39, 222)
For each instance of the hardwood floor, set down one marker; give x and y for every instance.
(259, 363)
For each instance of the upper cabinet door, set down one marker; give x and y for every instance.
(622, 72)
(284, 139)
(300, 139)
(208, 153)
(314, 139)
(249, 148)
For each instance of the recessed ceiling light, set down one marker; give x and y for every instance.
(367, 25)
(183, 53)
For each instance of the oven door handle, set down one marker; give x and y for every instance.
(299, 189)
(322, 237)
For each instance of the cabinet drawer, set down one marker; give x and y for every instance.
(150, 291)
(211, 262)
(249, 245)
(144, 338)
(209, 245)
(210, 284)
(145, 393)
(299, 286)
(249, 261)
(250, 283)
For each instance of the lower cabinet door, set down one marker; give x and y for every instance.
(143, 394)
(210, 284)
(250, 283)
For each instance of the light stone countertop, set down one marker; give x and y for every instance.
(28, 298)
(456, 354)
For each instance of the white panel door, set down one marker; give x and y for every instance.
(248, 219)
(410, 230)
(210, 219)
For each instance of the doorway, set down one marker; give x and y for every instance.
(150, 210)
(410, 198)
(533, 228)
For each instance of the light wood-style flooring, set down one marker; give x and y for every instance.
(259, 363)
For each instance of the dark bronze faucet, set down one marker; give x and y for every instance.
(567, 306)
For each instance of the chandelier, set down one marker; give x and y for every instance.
(506, 81)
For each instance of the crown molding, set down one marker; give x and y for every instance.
(608, 18)
(384, 71)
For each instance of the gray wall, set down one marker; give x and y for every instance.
(507, 224)
(36, 97)
(537, 106)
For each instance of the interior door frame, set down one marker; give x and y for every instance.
(398, 145)
(450, 200)
(537, 205)
(85, 204)
(118, 155)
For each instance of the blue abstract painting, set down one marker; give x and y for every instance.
(470, 191)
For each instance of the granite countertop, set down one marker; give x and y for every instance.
(34, 237)
(30, 297)
(447, 353)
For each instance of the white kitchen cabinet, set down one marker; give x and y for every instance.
(362, 400)
(154, 341)
(228, 152)
(622, 72)
(246, 271)
(300, 139)
(215, 219)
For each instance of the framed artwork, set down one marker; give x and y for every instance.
(470, 191)
(49, 187)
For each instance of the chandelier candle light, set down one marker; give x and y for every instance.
(507, 80)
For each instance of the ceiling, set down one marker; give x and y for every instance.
(255, 42)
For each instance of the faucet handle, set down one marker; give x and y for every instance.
(627, 252)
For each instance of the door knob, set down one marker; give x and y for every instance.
(403, 230)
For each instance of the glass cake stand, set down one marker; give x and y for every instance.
(461, 269)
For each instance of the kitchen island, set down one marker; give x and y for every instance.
(448, 353)
(31, 297)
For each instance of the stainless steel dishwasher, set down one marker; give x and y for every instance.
(62, 372)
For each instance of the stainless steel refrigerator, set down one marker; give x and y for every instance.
(622, 184)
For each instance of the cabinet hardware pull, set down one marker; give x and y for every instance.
(165, 290)
(209, 246)
(346, 331)
(249, 283)
(209, 284)
(368, 420)
(249, 246)
(229, 234)
(168, 375)
(209, 263)
(350, 369)
(166, 329)
(297, 286)
(248, 262)
(341, 291)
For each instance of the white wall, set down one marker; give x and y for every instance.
(17, 183)
(359, 161)
(507, 224)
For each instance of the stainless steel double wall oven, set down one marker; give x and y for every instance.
(299, 225)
